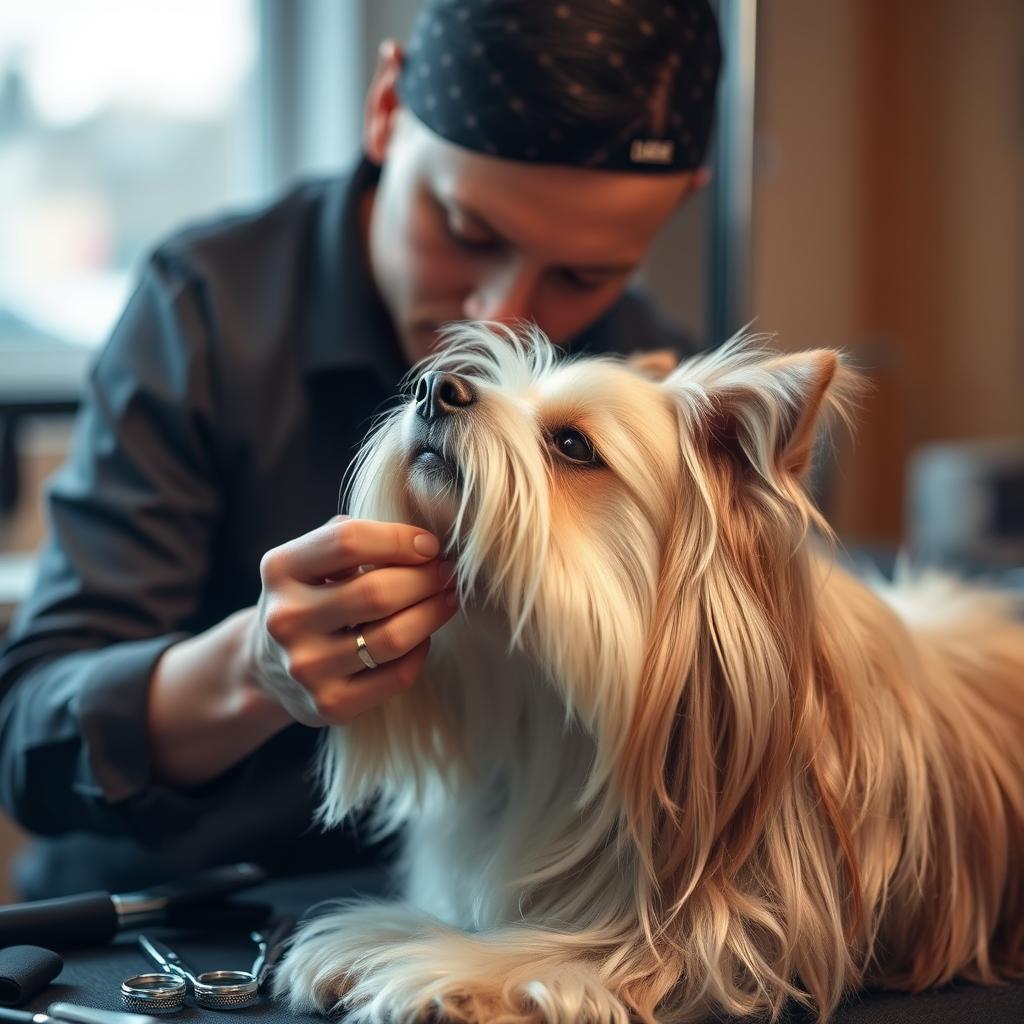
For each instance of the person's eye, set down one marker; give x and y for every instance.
(575, 446)
(582, 281)
(470, 240)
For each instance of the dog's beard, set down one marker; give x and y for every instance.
(485, 492)
(472, 482)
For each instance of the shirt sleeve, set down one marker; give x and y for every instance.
(131, 518)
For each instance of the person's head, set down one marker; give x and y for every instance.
(529, 154)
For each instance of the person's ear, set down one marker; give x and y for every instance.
(695, 181)
(382, 101)
(701, 178)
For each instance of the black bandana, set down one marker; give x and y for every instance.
(492, 76)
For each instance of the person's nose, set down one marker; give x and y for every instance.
(508, 293)
(440, 394)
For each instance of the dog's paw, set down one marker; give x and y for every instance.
(306, 982)
(327, 955)
(385, 963)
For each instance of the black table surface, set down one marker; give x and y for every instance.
(92, 977)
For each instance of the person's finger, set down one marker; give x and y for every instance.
(341, 545)
(340, 702)
(323, 660)
(368, 597)
(391, 638)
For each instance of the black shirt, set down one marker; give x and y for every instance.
(216, 424)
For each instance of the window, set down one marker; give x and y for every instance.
(119, 120)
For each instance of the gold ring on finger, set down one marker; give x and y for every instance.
(364, 655)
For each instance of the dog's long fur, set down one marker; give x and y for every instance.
(670, 760)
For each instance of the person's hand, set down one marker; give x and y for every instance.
(301, 648)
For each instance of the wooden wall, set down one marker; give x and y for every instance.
(889, 219)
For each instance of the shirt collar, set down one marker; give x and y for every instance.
(347, 325)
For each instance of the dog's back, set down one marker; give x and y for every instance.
(954, 904)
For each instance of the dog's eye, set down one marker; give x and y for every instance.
(574, 446)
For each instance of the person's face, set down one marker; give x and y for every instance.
(454, 234)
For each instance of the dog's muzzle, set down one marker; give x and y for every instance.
(440, 398)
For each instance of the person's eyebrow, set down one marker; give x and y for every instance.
(482, 224)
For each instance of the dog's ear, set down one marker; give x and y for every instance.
(805, 379)
(764, 409)
(656, 363)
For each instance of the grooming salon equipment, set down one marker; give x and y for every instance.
(93, 918)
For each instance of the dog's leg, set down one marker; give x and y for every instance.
(391, 963)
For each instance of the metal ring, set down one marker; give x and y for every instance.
(225, 990)
(364, 655)
(153, 993)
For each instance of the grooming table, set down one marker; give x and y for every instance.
(93, 976)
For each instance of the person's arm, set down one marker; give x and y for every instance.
(217, 696)
(132, 514)
(205, 712)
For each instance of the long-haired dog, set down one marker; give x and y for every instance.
(670, 761)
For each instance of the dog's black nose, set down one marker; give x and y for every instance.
(440, 394)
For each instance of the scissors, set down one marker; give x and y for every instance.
(214, 990)
(217, 990)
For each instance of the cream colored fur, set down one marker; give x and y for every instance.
(670, 761)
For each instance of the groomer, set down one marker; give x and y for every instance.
(198, 616)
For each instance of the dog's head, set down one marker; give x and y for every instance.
(640, 525)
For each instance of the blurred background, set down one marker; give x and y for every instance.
(869, 194)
